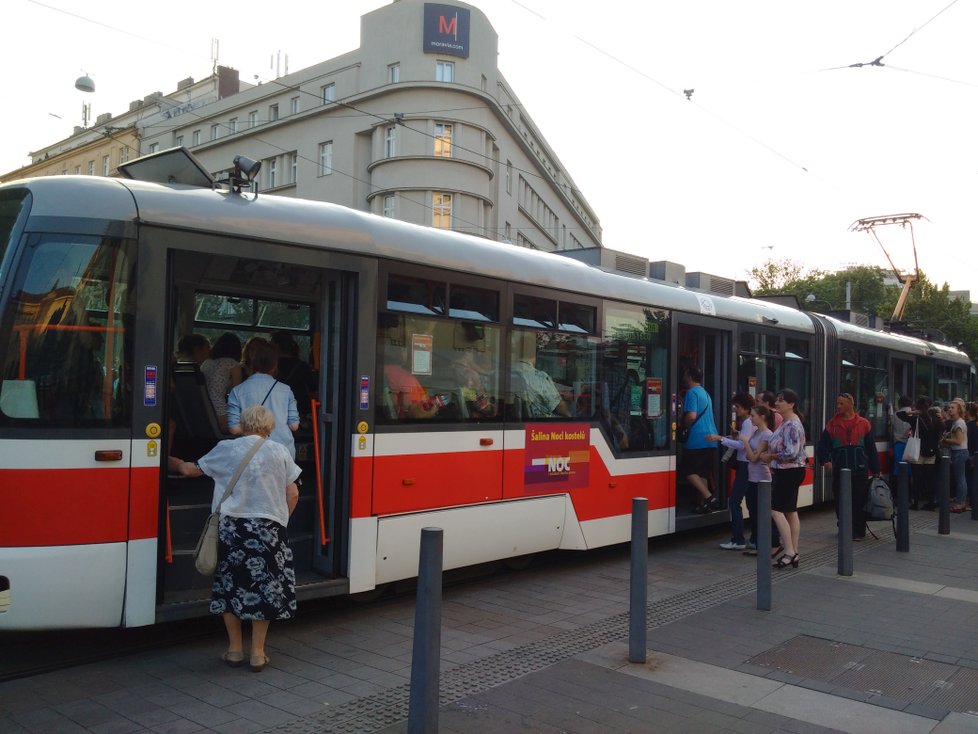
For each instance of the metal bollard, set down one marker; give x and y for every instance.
(973, 486)
(845, 523)
(944, 496)
(639, 597)
(762, 527)
(426, 656)
(903, 509)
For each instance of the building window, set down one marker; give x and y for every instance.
(441, 207)
(91, 168)
(393, 73)
(195, 138)
(444, 71)
(294, 106)
(78, 170)
(272, 112)
(215, 131)
(509, 177)
(233, 125)
(508, 232)
(253, 118)
(390, 142)
(105, 165)
(179, 141)
(293, 168)
(272, 172)
(329, 93)
(326, 158)
(153, 147)
(390, 205)
(124, 155)
(443, 139)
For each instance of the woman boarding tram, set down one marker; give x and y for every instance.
(114, 270)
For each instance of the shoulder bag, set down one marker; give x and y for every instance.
(682, 435)
(911, 453)
(205, 554)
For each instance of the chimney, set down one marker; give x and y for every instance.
(183, 84)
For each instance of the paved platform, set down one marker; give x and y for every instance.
(892, 649)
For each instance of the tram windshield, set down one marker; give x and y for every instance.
(14, 206)
(66, 334)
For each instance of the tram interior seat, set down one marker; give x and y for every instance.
(196, 418)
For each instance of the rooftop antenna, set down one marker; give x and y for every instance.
(870, 224)
(215, 54)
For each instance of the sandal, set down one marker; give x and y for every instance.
(258, 663)
(233, 658)
(786, 560)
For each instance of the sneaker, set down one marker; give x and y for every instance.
(733, 545)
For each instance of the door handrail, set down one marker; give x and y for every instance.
(323, 540)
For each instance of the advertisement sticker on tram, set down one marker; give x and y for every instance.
(557, 456)
(149, 386)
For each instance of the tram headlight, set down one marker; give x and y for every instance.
(244, 166)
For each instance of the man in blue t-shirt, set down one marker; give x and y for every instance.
(699, 455)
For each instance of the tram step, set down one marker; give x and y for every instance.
(181, 573)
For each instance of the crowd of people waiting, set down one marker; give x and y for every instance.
(768, 442)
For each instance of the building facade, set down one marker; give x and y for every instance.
(416, 124)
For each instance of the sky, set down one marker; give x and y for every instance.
(781, 146)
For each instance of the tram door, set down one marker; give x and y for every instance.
(709, 350)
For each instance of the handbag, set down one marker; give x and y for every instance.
(205, 554)
(911, 453)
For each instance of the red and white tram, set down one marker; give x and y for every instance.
(100, 277)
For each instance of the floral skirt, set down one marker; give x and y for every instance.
(255, 578)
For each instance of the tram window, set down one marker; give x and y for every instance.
(850, 357)
(415, 296)
(436, 370)
(873, 358)
(67, 333)
(577, 318)
(748, 341)
(796, 349)
(473, 304)
(634, 371)
(14, 206)
(872, 397)
(552, 376)
(924, 382)
(279, 315)
(540, 313)
(771, 344)
(217, 309)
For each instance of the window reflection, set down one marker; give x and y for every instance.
(67, 334)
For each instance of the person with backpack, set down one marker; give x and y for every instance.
(848, 443)
(928, 428)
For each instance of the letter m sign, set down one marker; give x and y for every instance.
(446, 30)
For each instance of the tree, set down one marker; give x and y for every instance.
(774, 276)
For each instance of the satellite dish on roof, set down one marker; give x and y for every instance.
(84, 83)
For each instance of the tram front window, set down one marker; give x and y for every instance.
(67, 334)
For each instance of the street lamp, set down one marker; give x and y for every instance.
(811, 299)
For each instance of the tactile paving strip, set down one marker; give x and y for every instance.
(380, 710)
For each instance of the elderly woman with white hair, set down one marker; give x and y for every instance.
(255, 577)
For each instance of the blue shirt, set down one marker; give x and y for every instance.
(280, 401)
(698, 401)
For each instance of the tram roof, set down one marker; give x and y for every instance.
(322, 224)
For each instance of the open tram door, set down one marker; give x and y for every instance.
(218, 286)
(700, 344)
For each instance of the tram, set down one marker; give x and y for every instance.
(100, 277)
